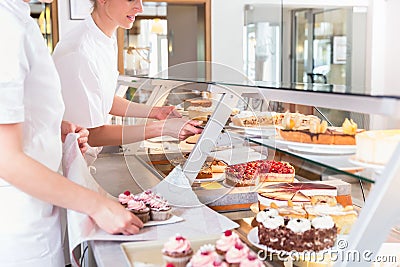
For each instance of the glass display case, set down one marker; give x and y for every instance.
(368, 187)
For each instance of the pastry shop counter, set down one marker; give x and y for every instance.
(113, 175)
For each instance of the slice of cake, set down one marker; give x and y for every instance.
(253, 172)
(297, 234)
(344, 217)
(254, 119)
(377, 147)
(298, 193)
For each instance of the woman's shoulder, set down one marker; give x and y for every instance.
(75, 42)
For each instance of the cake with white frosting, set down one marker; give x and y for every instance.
(295, 234)
(376, 147)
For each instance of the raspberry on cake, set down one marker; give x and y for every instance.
(253, 172)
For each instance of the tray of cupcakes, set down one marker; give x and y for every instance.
(152, 209)
(224, 250)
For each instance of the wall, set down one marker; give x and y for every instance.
(65, 24)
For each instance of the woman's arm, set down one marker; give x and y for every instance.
(40, 182)
(125, 108)
(112, 135)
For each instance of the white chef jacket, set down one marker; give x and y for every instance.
(30, 231)
(86, 60)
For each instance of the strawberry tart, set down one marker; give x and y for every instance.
(253, 172)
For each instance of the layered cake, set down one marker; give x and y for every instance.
(296, 234)
(296, 128)
(255, 119)
(253, 172)
(344, 217)
(200, 109)
(209, 167)
(298, 193)
(377, 147)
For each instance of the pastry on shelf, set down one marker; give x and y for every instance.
(254, 172)
(301, 128)
(296, 234)
(255, 119)
(344, 217)
(376, 147)
(297, 193)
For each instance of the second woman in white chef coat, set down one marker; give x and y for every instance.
(86, 59)
(31, 110)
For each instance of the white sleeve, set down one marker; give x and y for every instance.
(81, 92)
(13, 69)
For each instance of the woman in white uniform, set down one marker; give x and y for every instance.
(31, 110)
(86, 60)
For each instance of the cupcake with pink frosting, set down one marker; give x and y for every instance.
(236, 254)
(124, 197)
(160, 210)
(177, 250)
(226, 241)
(140, 209)
(204, 257)
(219, 263)
(146, 196)
(252, 261)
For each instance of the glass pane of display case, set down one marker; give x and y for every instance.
(262, 48)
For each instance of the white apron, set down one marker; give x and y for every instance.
(30, 230)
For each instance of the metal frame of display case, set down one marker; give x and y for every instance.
(376, 218)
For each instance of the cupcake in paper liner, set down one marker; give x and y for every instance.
(160, 210)
(124, 197)
(177, 250)
(225, 242)
(140, 209)
(236, 254)
(205, 256)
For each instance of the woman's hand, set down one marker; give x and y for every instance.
(181, 128)
(68, 127)
(163, 113)
(115, 219)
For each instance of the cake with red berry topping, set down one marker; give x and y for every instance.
(177, 250)
(295, 234)
(253, 172)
